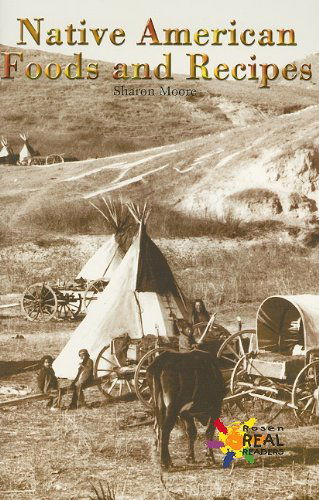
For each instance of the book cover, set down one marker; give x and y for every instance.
(159, 192)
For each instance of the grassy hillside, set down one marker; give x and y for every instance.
(218, 182)
(84, 119)
(207, 164)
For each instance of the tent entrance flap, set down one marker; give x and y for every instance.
(158, 313)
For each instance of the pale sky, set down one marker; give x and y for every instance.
(302, 16)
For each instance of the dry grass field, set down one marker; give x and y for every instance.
(224, 184)
(232, 177)
(233, 265)
(47, 455)
(63, 455)
(224, 271)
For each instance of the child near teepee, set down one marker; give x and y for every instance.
(47, 380)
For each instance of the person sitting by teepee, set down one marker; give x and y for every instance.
(83, 379)
(47, 380)
(199, 312)
(186, 340)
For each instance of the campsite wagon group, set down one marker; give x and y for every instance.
(275, 365)
(135, 317)
(27, 155)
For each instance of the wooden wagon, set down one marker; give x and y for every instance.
(43, 160)
(278, 363)
(124, 361)
(61, 300)
(66, 300)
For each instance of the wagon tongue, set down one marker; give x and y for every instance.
(255, 394)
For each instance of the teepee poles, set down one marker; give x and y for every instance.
(114, 214)
(139, 214)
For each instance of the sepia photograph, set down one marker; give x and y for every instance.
(159, 250)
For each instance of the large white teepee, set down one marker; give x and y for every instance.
(108, 257)
(6, 153)
(27, 151)
(142, 298)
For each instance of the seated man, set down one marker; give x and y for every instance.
(82, 380)
(47, 380)
(186, 341)
(199, 312)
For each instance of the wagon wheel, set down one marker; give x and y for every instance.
(251, 406)
(140, 383)
(304, 395)
(117, 379)
(238, 377)
(54, 159)
(69, 305)
(233, 349)
(35, 161)
(92, 291)
(39, 302)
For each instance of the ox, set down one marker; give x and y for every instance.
(187, 385)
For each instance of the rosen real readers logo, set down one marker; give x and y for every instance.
(245, 440)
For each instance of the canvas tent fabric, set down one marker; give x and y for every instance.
(141, 299)
(26, 152)
(153, 272)
(104, 262)
(277, 312)
(6, 152)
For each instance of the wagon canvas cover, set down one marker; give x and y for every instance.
(276, 314)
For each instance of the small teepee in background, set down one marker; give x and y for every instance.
(6, 153)
(141, 299)
(27, 151)
(108, 257)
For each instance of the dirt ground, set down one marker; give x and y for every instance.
(62, 455)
